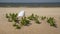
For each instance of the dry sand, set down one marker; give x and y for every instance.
(43, 28)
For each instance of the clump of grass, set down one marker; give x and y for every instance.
(14, 24)
(11, 17)
(24, 21)
(34, 17)
(51, 21)
(31, 17)
(43, 17)
(7, 15)
(37, 21)
(18, 27)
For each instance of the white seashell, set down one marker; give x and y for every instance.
(21, 14)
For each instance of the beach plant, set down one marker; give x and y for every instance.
(36, 17)
(11, 17)
(18, 27)
(51, 21)
(7, 16)
(14, 24)
(24, 21)
(43, 17)
(31, 17)
(37, 21)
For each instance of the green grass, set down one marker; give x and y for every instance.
(18, 27)
(35, 18)
(11, 17)
(7, 16)
(14, 24)
(43, 17)
(25, 21)
(31, 17)
(51, 21)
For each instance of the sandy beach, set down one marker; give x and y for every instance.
(43, 28)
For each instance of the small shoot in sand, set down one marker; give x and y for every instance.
(18, 27)
(43, 17)
(11, 17)
(51, 21)
(7, 16)
(31, 17)
(25, 21)
(36, 19)
(14, 24)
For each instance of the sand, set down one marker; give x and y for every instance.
(43, 28)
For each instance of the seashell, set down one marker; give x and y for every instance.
(21, 14)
